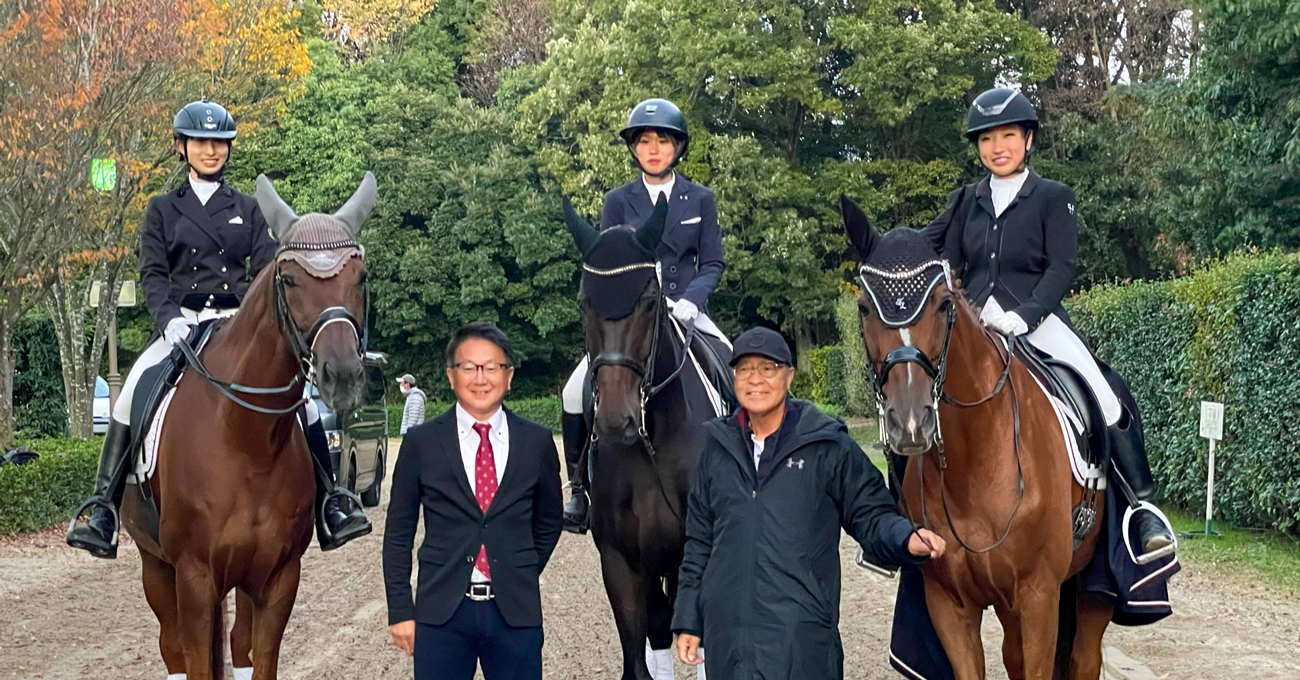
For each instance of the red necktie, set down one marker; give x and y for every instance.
(485, 485)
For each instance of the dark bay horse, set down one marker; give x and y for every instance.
(650, 406)
(990, 465)
(234, 486)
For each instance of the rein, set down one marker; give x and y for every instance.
(303, 347)
(938, 374)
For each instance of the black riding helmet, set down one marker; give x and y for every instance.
(657, 114)
(999, 106)
(203, 119)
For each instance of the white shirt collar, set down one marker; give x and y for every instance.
(465, 422)
(203, 190)
(656, 189)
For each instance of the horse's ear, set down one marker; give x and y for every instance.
(652, 232)
(279, 216)
(584, 235)
(358, 208)
(862, 234)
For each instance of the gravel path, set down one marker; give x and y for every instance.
(56, 604)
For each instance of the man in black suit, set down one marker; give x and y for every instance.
(489, 483)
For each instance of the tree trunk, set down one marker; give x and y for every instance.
(7, 361)
(803, 344)
(65, 306)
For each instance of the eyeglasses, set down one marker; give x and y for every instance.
(767, 369)
(469, 369)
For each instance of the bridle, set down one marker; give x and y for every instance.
(938, 373)
(302, 344)
(644, 369)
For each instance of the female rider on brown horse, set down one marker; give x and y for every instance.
(1013, 239)
(193, 247)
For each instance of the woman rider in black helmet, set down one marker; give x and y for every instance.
(1013, 239)
(690, 257)
(194, 244)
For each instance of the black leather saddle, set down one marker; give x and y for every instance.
(1066, 384)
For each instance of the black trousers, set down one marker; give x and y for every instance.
(476, 634)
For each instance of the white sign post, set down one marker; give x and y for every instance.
(1211, 429)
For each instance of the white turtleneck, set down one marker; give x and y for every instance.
(1004, 190)
(203, 190)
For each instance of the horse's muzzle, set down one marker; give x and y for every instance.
(341, 381)
(910, 432)
(619, 430)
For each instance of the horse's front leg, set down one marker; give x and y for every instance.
(241, 637)
(271, 610)
(628, 591)
(1038, 601)
(958, 628)
(201, 611)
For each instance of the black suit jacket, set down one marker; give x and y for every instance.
(187, 248)
(519, 531)
(690, 253)
(1025, 258)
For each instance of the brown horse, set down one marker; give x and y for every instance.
(994, 478)
(234, 486)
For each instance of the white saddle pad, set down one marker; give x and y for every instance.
(1072, 431)
(147, 460)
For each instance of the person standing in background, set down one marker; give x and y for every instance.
(413, 411)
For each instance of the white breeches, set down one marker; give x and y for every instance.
(571, 396)
(151, 356)
(1055, 338)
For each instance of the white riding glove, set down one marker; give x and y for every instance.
(990, 312)
(178, 329)
(1009, 324)
(685, 311)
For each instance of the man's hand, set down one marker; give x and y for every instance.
(688, 648)
(404, 636)
(925, 543)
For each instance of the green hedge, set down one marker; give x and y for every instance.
(45, 491)
(858, 399)
(1228, 333)
(827, 366)
(544, 410)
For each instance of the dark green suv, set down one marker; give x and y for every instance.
(358, 439)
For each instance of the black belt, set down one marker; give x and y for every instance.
(216, 301)
(480, 592)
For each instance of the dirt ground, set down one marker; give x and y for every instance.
(65, 615)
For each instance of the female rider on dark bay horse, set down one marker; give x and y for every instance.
(690, 257)
(193, 246)
(1012, 238)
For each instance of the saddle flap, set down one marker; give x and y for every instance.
(1065, 384)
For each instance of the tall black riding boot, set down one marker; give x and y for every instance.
(1130, 465)
(339, 517)
(98, 534)
(573, 428)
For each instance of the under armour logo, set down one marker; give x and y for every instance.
(792, 463)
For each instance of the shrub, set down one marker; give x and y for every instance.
(1228, 333)
(858, 398)
(45, 491)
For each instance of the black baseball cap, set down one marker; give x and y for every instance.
(763, 342)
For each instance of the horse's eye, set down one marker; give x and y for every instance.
(361, 280)
(863, 308)
(288, 281)
(945, 305)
